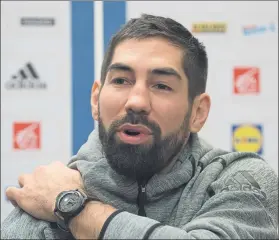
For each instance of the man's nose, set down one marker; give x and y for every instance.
(139, 99)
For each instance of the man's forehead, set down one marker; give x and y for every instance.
(151, 44)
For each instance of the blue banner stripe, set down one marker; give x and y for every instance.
(82, 71)
(114, 18)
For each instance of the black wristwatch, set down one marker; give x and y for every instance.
(68, 205)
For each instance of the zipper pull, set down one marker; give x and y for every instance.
(141, 200)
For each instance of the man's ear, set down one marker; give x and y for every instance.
(95, 91)
(200, 111)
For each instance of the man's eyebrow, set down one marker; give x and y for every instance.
(166, 71)
(121, 67)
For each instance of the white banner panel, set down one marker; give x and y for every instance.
(35, 88)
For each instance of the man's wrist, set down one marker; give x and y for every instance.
(89, 222)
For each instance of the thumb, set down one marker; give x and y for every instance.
(14, 194)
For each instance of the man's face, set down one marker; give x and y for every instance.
(143, 109)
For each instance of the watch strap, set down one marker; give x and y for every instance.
(61, 224)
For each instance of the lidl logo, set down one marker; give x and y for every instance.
(209, 27)
(247, 138)
(258, 29)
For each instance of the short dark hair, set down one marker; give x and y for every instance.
(195, 62)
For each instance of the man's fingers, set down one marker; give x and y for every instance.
(14, 194)
(22, 179)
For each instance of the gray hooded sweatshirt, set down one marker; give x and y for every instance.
(207, 193)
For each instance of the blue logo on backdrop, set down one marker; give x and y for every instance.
(258, 29)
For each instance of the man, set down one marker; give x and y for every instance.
(144, 173)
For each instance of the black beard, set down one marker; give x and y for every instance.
(140, 162)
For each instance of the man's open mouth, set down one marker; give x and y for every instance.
(134, 134)
(134, 130)
(131, 132)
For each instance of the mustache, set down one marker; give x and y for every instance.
(135, 118)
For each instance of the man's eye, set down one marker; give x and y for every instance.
(162, 87)
(119, 81)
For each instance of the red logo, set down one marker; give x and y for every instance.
(27, 135)
(246, 80)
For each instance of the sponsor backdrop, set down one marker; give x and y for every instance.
(51, 53)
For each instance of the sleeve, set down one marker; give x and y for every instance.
(243, 205)
(20, 225)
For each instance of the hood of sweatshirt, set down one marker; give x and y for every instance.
(103, 183)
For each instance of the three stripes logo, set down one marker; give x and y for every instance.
(26, 78)
(242, 181)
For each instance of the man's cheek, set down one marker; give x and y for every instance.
(109, 108)
(170, 125)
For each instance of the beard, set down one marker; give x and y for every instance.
(140, 162)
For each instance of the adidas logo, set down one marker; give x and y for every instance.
(242, 181)
(26, 78)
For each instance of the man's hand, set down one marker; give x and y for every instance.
(39, 190)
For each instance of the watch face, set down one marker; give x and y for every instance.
(70, 202)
